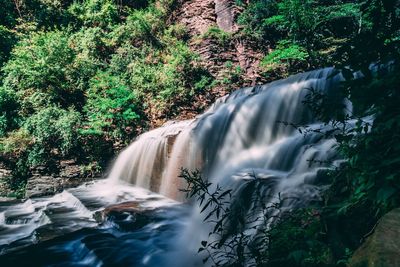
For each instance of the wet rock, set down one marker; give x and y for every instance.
(8, 199)
(130, 207)
(46, 185)
(44, 181)
(382, 248)
(39, 186)
(69, 169)
(126, 216)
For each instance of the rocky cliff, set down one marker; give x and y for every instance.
(199, 16)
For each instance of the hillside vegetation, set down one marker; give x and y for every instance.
(81, 79)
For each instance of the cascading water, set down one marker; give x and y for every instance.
(241, 135)
(144, 161)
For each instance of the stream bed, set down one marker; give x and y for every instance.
(62, 230)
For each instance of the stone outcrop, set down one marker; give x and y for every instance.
(200, 15)
(127, 216)
(382, 248)
(38, 186)
(226, 12)
(43, 183)
(196, 15)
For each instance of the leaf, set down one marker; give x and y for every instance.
(297, 255)
(224, 194)
(206, 205)
(385, 193)
(209, 215)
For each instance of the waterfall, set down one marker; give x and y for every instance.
(242, 133)
(144, 161)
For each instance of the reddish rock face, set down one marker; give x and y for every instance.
(198, 16)
(225, 11)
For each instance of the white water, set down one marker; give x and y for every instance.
(144, 161)
(68, 211)
(240, 136)
(240, 133)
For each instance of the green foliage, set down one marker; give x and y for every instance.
(44, 63)
(287, 55)
(111, 108)
(54, 132)
(7, 40)
(17, 142)
(15, 147)
(101, 13)
(92, 47)
(241, 233)
(316, 30)
(298, 240)
(254, 15)
(80, 79)
(223, 38)
(8, 111)
(366, 186)
(306, 34)
(231, 75)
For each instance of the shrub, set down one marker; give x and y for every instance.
(54, 132)
(101, 13)
(223, 38)
(7, 40)
(44, 63)
(112, 109)
(284, 57)
(8, 111)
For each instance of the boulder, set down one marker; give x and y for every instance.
(382, 248)
(38, 186)
(46, 185)
(126, 207)
(127, 216)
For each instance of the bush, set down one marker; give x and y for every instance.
(44, 63)
(7, 40)
(54, 132)
(285, 57)
(81, 78)
(223, 38)
(45, 137)
(8, 111)
(254, 15)
(112, 109)
(101, 13)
